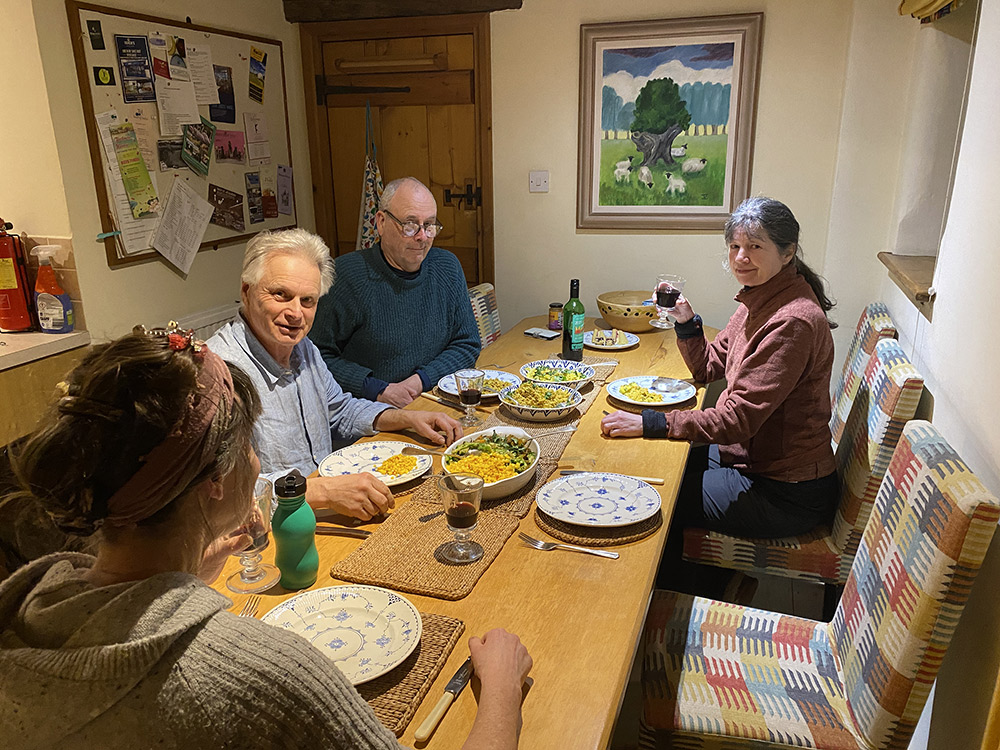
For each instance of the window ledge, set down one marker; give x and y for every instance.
(913, 274)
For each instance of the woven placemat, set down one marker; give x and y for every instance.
(404, 553)
(597, 537)
(517, 504)
(396, 695)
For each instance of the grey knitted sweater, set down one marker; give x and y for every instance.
(160, 663)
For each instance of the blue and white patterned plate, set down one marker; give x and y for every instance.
(447, 383)
(680, 390)
(598, 499)
(630, 340)
(365, 630)
(364, 457)
(578, 372)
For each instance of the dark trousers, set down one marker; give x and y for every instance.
(724, 499)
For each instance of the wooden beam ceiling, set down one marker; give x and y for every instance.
(305, 11)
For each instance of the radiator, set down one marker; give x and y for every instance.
(207, 322)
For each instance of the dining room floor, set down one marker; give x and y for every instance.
(799, 598)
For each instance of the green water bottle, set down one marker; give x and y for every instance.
(294, 529)
(572, 338)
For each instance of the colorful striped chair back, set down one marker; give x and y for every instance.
(724, 676)
(484, 306)
(874, 325)
(922, 547)
(885, 398)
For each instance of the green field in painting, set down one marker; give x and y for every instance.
(705, 188)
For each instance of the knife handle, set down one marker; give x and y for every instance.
(430, 723)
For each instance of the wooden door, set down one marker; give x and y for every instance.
(427, 82)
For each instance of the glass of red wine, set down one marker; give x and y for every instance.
(668, 289)
(470, 392)
(256, 576)
(460, 495)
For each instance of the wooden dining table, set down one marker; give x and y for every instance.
(580, 616)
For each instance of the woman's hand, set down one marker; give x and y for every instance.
(682, 311)
(214, 558)
(622, 424)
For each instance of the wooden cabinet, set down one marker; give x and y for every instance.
(25, 391)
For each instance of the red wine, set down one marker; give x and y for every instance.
(667, 297)
(461, 516)
(470, 397)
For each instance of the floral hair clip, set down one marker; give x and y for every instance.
(178, 339)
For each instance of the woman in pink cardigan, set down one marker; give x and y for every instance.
(768, 469)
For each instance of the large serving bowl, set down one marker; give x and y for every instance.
(542, 413)
(624, 310)
(494, 490)
(577, 372)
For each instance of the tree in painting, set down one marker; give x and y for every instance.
(660, 116)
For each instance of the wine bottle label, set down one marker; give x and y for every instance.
(577, 330)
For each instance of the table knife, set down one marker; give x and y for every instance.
(647, 480)
(451, 691)
(343, 531)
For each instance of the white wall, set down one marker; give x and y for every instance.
(31, 189)
(536, 69)
(152, 292)
(957, 355)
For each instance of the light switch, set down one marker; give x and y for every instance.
(538, 181)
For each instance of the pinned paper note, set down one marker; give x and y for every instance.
(183, 225)
(135, 68)
(258, 68)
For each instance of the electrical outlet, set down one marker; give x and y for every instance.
(538, 181)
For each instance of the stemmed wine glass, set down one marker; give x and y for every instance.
(470, 391)
(668, 289)
(461, 495)
(256, 576)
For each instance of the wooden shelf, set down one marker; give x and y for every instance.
(913, 274)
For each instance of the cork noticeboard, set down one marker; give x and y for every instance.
(243, 164)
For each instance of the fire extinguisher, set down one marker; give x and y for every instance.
(15, 294)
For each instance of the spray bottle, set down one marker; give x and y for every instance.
(55, 311)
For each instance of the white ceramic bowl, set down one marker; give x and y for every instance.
(494, 490)
(584, 372)
(542, 413)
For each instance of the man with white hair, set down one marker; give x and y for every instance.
(284, 276)
(399, 317)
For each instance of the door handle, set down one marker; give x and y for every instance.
(473, 197)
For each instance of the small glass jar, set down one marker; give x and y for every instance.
(555, 316)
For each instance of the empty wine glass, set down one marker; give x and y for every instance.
(668, 289)
(470, 392)
(461, 495)
(256, 576)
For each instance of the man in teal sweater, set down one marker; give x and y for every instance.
(398, 317)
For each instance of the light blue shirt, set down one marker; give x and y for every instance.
(305, 409)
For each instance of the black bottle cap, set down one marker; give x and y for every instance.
(290, 485)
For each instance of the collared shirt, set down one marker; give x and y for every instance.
(305, 410)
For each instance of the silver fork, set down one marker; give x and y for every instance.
(250, 607)
(546, 546)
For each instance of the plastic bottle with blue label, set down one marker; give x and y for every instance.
(55, 310)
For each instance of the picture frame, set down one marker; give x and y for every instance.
(678, 96)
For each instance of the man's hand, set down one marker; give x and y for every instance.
(214, 558)
(427, 423)
(499, 658)
(622, 424)
(402, 393)
(356, 495)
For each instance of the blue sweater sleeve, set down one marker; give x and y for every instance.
(334, 322)
(463, 349)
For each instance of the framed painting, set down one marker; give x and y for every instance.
(666, 121)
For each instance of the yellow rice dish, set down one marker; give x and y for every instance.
(494, 385)
(492, 467)
(397, 465)
(537, 396)
(638, 393)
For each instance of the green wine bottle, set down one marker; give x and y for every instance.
(572, 338)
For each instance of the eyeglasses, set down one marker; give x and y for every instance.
(410, 228)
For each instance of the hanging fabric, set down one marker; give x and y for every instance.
(371, 188)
